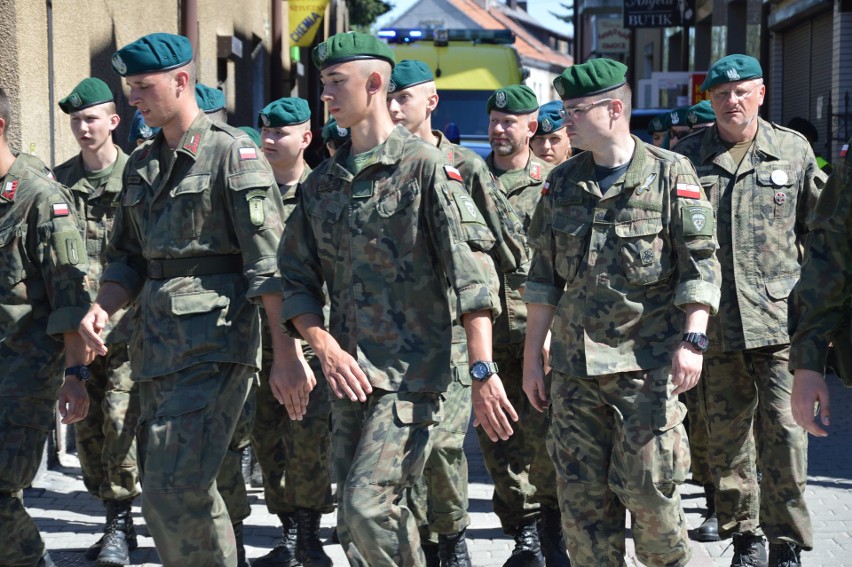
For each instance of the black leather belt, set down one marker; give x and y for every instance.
(200, 266)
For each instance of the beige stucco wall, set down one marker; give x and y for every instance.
(85, 35)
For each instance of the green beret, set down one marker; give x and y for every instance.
(590, 78)
(331, 132)
(677, 117)
(209, 99)
(253, 134)
(151, 54)
(700, 113)
(549, 118)
(514, 99)
(659, 123)
(284, 112)
(408, 73)
(139, 130)
(730, 69)
(349, 46)
(89, 92)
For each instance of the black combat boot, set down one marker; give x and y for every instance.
(430, 550)
(527, 552)
(784, 554)
(284, 552)
(709, 528)
(120, 535)
(749, 551)
(453, 550)
(309, 549)
(241, 549)
(553, 546)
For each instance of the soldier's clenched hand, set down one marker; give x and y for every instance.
(291, 385)
(73, 404)
(809, 387)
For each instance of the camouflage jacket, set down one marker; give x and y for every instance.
(95, 209)
(389, 243)
(217, 200)
(523, 195)
(618, 266)
(820, 302)
(761, 209)
(44, 292)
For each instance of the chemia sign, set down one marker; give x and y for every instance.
(305, 19)
(658, 13)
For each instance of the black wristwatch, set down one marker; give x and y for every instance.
(698, 340)
(481, 370)
(82, 372)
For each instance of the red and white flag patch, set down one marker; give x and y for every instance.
(844, 150)
(248, 153)
(453, 173)
(688, 191)
(10, 189)
(546, 188)
(61, 210)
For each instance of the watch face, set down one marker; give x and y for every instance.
(479, 370)
(84, 372)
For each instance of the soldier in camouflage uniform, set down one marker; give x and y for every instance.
(819, 304)
(440, 497)
(333, 136)
(762, 180)
(523, 476)
(550, 142)
(194, 239)
(294, 455)
(387, 226)
(106, 439)
(43, 295)
(624, 270)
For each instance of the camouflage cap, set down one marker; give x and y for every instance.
(139, 130)
(590, 78)
(700, 113)
(549, 118)
(514, 99)
(253, 134)
(88, 92)
(732, 68)
(151, 54)
(660, 123)
(350, 46)
(284, 112)
(408, 73)
(209, 99)
(332, 132)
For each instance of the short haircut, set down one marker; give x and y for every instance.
(625, 94)
(377, 66)
(5, 110)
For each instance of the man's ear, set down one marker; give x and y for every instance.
(114, 120)
(307, 136)
(374, 82)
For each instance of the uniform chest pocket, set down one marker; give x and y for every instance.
(775, 191)
(645, 254)
(190, 206)
(12, 256)
(326, 222)
(570, 227)
(710, 184)
(398, 217)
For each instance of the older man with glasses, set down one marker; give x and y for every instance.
(763, 180)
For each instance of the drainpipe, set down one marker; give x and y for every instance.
(51, 100)
(277, 81)
(189, 23)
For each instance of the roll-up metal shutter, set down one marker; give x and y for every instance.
(796, 63)
(821, 48)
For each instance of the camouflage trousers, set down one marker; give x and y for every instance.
(295, 456)
(697, 431)
(230, 481)
(24, 426)
(106, 439)
(380, 449)
(618, 443)
(184, 421)
(439, 498)
(514, 464)
(745, 398)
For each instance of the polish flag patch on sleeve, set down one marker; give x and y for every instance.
(688, 191)
(61, 210)
(546, 188)
(248, 153)
(453, 173)
(844, 150)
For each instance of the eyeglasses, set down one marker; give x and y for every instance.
(739, 94)
(570, 113)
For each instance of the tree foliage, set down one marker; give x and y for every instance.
(362, 13)
(568, 17)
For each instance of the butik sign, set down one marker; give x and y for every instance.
(658, 13)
